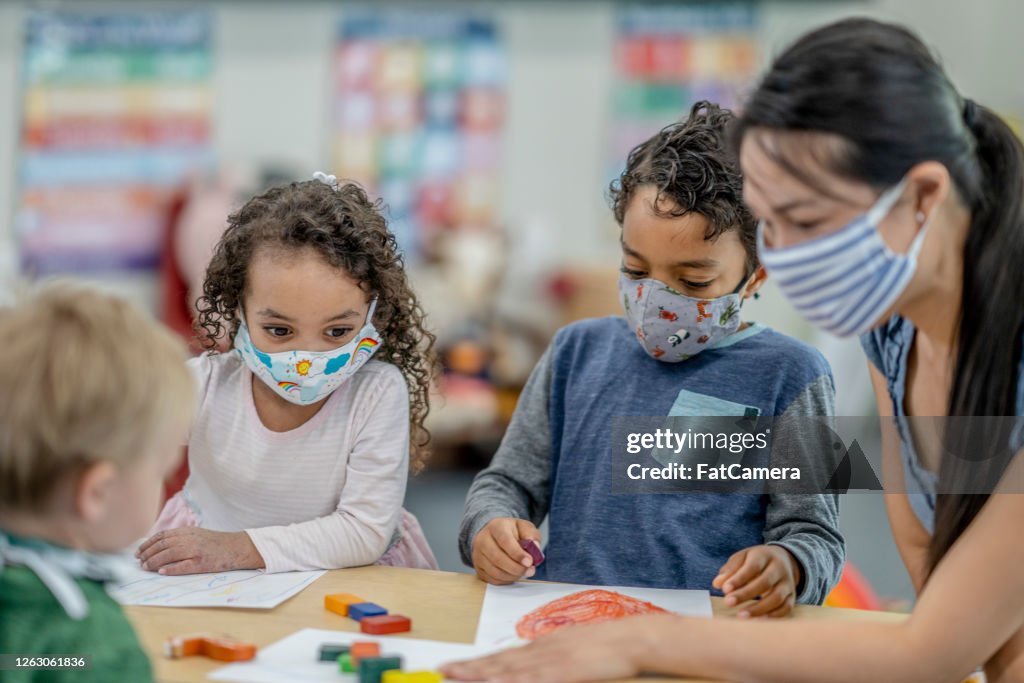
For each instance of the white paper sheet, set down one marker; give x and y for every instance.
(505, 605)
(252, 589)
(294, 659)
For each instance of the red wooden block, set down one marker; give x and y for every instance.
(385, 623)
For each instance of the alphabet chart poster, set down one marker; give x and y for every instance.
(115, 111)
(669, 56)
(418, 111)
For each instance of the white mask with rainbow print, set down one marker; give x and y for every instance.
(305, 377)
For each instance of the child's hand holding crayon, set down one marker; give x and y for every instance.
(498, 556)
(768, 573)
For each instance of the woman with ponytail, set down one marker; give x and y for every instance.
(891, 207)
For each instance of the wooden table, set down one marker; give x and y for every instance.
(442, 605)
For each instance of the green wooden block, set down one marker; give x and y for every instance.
(372, 668)
(330, 653)
(345, 663)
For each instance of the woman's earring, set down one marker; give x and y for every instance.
(757, 295)
(920, 216)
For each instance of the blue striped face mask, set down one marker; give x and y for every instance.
(843, 282)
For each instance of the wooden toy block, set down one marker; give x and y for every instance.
(365, 609)
(184, 646)
(385, 623)
(339, 602)
(228, 650)
(345, 663)
(330, 652)
(361, 649)
(372, 669)
(411, 677)
(221, 648)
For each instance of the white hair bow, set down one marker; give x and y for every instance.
(329, 180)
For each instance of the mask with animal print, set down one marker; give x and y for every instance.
(671, 326)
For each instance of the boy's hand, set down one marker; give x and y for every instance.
(768, 572)
(191, 550)
(497, 556)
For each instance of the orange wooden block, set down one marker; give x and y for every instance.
(228, 650)
(362, 648)
(339, 602)
(184, 646)
(221, 648)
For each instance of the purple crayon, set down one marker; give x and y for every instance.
(530, 546)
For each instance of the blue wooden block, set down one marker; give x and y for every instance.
(365, 609)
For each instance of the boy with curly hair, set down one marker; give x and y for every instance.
(689, 260)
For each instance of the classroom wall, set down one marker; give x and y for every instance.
(272, 85)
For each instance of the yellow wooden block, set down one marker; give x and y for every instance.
(339, 602)
(395, 676)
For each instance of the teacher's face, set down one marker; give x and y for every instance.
(856, 282)
(807, 199)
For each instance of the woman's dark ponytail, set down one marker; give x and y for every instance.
(990, 331)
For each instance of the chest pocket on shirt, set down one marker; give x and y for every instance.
(691, 404)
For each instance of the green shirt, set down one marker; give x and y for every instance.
(33, 622)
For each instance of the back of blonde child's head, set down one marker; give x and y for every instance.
(87, 377)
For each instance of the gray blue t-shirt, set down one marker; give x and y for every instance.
(888, 349)
(555, 461)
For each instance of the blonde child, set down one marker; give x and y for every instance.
(301, 449)
(96, 403)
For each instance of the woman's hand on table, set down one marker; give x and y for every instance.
(591, 652)
(191, 550)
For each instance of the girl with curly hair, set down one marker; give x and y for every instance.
(301, 448)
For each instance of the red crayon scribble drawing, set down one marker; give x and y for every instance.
(584, 607)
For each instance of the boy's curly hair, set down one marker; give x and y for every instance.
(691, 165)
(345, 227)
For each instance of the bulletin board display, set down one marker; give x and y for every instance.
(419, 102)
(666, 57)
(116, 110)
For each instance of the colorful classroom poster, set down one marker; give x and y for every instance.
(669, 56)
(418, 112)
(116, 110)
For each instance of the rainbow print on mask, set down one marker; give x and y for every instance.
(288, 386)
(365, 348)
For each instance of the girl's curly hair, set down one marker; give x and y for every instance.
(348, 230)
(691, 164)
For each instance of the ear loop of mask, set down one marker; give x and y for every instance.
(744, 281)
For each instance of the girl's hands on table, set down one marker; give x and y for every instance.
(191, 550)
